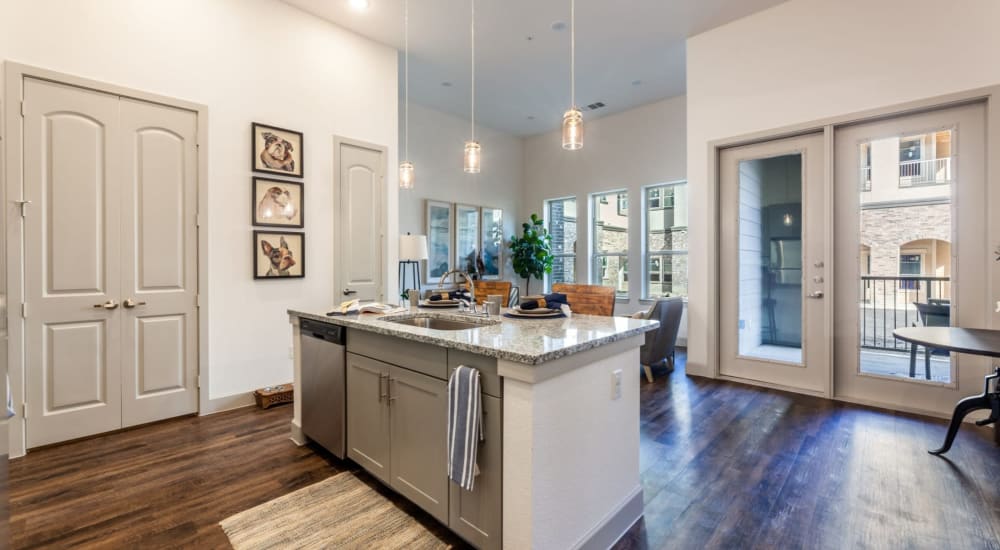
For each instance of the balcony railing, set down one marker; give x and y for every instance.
(925, 172)
(887, 304)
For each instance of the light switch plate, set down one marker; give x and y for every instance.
(616, 384)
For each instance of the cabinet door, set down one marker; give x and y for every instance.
(477, 515)
(419, 406)
(368, 415)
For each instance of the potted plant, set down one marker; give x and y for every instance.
(531, 253)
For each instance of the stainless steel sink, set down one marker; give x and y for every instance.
(438, 324)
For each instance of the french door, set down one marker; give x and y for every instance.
(912, 249)
(773, 247)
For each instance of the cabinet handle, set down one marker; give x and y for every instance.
(382, 395)
(389, 385)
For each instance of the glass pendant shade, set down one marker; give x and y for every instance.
(407, 177)
(472, 157)
(572, 130)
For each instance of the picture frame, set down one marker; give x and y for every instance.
(277, 203)
(275, 150)
(491, 242)
(439, 220)
(466, 237)
(279, 254)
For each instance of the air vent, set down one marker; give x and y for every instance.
(595, 106)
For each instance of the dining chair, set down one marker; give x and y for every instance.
(487, 288)
(931, 315)
(588, 299)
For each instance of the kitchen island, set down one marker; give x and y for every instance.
(563, 470)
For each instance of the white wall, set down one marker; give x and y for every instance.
(247, 60)
(627, 150)
(809, 59)
(437, 141)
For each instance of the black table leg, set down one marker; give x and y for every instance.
(988, 400)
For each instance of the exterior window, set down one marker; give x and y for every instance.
(560, 220)
(666, 257)
(610, 242)
(909, 265)
(866, 167)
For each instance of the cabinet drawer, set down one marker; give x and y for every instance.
(423, 358)
(477, 515)
(492, 383)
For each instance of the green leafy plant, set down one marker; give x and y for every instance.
(531, 253)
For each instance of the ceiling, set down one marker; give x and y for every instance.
(629, 52)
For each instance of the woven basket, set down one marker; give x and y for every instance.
(274, 395)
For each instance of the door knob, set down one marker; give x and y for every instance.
(110, 304)
(815, 295)
(129, 303)
(348, 292)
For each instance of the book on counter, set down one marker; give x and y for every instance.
(351, 307)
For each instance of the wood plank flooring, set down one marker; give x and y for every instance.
(723, 466)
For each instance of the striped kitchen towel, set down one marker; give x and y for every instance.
(465, 425)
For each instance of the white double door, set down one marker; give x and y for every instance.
(110, 261)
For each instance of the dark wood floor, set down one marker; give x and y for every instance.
(723, 466)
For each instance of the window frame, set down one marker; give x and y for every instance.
(596, 267)
(548, 221)
(647, 254)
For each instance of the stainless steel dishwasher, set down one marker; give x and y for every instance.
(324, 385)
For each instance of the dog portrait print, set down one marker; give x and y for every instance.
(278, 255)
(276, 150)
(277, 203)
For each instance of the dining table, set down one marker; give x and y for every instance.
(972, 341)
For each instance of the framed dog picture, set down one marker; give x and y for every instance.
(277, 203)
(279, 255)
(276, 150)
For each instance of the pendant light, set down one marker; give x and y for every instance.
(572, 129)
(473, 152)
(407, 177)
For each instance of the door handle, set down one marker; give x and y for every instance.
(109, 305)
(348, 292)
(129, 303)
(815, 295)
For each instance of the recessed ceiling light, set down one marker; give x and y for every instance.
(446, 84)
(636, 82)
(559, 26)
(360, 5)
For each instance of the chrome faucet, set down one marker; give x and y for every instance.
(472, 292)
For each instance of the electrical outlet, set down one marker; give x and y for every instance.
(291, 352)
(616, 384)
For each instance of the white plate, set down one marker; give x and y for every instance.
(515, 312)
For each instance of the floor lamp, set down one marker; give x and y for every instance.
(412, 250)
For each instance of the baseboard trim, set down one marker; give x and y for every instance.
(606, 533)
(227, 403)
(295, 434)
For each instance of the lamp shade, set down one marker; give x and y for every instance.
(413, 247)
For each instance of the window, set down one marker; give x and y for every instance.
(910, 265)
(866, 167)
(560, 220)
(665, 241)
(610, 242)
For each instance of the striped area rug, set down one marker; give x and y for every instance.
(338, 512)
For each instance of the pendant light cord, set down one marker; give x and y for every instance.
(406, 79)
(473, 35)
(572, 53)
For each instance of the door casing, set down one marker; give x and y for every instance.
(712, 315)
(13, 78)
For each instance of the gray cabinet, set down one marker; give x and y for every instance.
(368, 430)
(419, 472)
(476, 515)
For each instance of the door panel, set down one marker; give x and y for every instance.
(419, 406)
(773, 226)
(72, 262)
(477, 515)
(361, 190)
(911, 198)
(159, 261)
(368, 415)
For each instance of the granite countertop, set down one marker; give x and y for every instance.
(529, 341)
